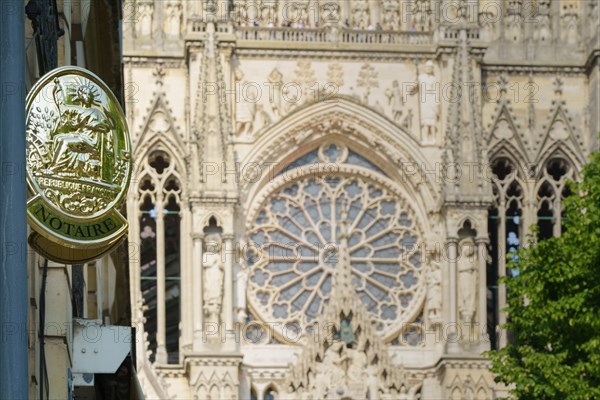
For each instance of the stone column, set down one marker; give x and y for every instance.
(133, 214)
(452, 245)
(228, 285)
(529, 218)
(161, 329)
(557, 220)
(197, 296)
(501, 272)
(482, 253)
(186, 279)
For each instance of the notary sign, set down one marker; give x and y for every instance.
(78, 166)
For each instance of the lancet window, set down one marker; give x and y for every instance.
(524, 196)
(160, 255)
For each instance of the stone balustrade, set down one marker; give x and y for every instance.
(332, 35)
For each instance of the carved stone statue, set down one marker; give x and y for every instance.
(467, 280)
(434, 295)
(245, 106)
(213, 277)
(173, 18)
(390, 15)
(357, 365)
(396, 101)
(328, 372)
(428, 86)
(360, 14)
(275, 79)
(144, 26)
(241, 282)
(570, 27)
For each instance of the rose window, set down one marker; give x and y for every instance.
(295, 233)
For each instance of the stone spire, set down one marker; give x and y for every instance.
(212, 124)
(464, 132)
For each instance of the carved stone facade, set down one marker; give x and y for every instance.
(327, 192)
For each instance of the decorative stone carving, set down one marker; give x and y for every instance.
(305, 78)
(275, 80)
(407, 122)
(360, 14)
(514, 21)
(367, 79)
(335, 76)
(391, 15)
(427, 86)
(272, 286)
(488, 19)
(542, 28)
(467, 265)
(570, 24)
(553, 125)
(213, 277)
(395, 100)
(144, 24)
(241, 285)
(421, 20)
(172, 21)
(434, 294)
(245, 106)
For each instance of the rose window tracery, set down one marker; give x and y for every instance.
(295, 233)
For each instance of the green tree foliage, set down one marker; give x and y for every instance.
(554, 307)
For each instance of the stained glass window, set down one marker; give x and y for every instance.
(295, 234)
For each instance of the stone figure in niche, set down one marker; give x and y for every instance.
(395, 100)
(213, 277)
(467, 280)
(144, 25)
(360, 14)
(390, 15)
(245, 105)
(173, 18)
(429, 103)
(570, 27)
(241, 282)
(434, 295)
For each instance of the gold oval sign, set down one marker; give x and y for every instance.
(78, 165)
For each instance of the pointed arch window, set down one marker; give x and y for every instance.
(505, 224)
(160, 208)
(552, 189)
(520, 203)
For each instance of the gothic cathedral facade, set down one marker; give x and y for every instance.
(326, 192)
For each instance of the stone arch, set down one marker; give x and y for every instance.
(206, 220)
(508, 150)
(158, 144)
(564, 151)
(271, 389)
(373, 135)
